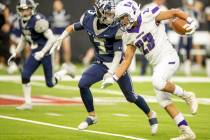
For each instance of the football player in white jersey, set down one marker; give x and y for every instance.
(144, 30)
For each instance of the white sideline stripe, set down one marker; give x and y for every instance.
(134, 78)
(69, 128)
(204, 101)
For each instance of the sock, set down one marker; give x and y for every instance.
(87, 99)
(141, 103)
(179, 119)
(27, 93)
(178, 91)
(60, 74)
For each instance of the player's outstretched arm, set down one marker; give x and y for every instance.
(172, 13)
(19, 48)
(129, 53)
(58, 42)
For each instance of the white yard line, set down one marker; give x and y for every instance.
(134, 78)
(53, 114)
(69, 128)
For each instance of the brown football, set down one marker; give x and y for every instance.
(178, 24)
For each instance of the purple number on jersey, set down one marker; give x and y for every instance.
(148, 40)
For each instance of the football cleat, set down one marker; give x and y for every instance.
(186, 134)
(191, 100)
(24, 106)
(88, 121)
(153, 123)
(70, 68)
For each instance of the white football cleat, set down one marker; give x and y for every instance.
(186, 134)
(24, 106)
(153, 123)
(191, 100)
(88, 121)
(70, 68)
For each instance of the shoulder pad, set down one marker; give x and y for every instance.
(41, 25)
(150, 13)
(86, 15)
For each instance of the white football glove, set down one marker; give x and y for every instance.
(191, 26)
(108, 80)
(56, 45)
(11, 59)
(39, 55)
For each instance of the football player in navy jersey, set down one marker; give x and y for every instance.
(106, 37)
(36, 32)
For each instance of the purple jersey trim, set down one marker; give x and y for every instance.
(137, 28)
(154, 10)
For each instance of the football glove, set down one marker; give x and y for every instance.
(39, 55)
(11, 59)
(191, 26)
(57, 44)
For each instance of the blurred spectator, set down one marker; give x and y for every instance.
(88, 56)
(207, 12)
(186, 42)
(4, 34)
(59, 21)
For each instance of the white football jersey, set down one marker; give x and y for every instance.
(150, 37)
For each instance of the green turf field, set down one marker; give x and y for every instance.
(132, 121)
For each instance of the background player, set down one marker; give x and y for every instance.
(106, 38)
(153, 42)
(35, 31)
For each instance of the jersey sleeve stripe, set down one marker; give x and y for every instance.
(154, 10)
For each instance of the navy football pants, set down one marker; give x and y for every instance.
(31, 65)
(94, 74)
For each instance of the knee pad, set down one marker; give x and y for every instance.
(163, 98)
(131, 97)
(158, 82)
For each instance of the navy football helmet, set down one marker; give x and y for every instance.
(105, 10)
(26, 8)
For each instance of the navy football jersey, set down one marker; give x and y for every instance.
(106, 39)
(35, 39)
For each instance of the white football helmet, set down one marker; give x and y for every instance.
(128, 8)
(105, 10)
(26, 5)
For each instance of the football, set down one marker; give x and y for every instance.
(178, 25)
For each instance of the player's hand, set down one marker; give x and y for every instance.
(39, 55)
(108, 80)
(191, 26)
(56, 45)
(11, 59)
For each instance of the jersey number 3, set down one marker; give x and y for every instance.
(147, 43)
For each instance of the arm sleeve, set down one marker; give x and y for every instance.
(77, 26)
(49, 35)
